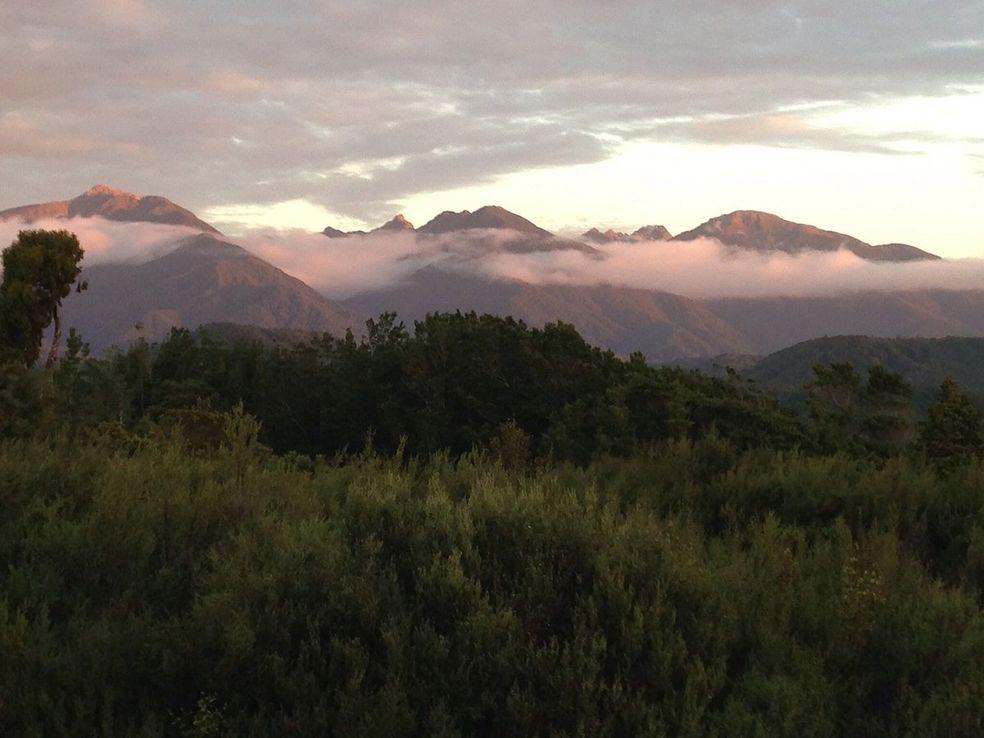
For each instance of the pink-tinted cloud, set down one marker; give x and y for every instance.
(342, 267)
(106, 241)
(705, 268)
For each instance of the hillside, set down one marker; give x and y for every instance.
(205, 280)
(623, 319)
(924, 362)
(665, 326)
(773, 323)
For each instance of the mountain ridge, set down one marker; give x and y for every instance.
(112, 204)
(761, 231)
(645, 233)
(752, 230)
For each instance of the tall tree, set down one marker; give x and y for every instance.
(952, 430)
(887, 399)
(39, 269)
(835, 395)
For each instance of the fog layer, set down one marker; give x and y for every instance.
(342, 267)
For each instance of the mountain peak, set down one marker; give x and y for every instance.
(652, 233)
(646, 233)
(112, 204)
(334, 232)
(398, 223)
(487, 217)
(761, 231)
(104, 190)
(599, 236)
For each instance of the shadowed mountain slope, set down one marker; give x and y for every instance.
(660, 325)
(773, 323)
(665, 326)
(924, 362)
(205, 280)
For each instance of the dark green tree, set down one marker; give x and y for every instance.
(887, 401)
(39, 269)
(835, 398)
(952, 429)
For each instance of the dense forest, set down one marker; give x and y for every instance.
(471, 527)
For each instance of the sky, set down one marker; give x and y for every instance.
(861, 117)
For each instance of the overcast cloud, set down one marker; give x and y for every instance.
(359, 104)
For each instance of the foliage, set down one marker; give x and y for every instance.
(872, 417)
(39, 270)
(453, 384)
(690, 590)
(923, 362)
(952, 430)
(479, 528)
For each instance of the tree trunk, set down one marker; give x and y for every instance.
(55, 342)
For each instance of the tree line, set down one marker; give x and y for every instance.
(453, 382)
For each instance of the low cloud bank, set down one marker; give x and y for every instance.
(107, 241)
(702, 269)
(342, 267)
(706, 269)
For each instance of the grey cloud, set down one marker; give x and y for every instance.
(212, 102)
(792, 130)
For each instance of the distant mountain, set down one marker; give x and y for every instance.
(742, 229)
(750, 229)
(897, 252)
(652, 233)
(924, 362)
(659, 324)
(112, 204)
(772, 323)
(646, 233)
(398, 224)
(335, 233)
(488, 217)
(668, 327)
(205, 280)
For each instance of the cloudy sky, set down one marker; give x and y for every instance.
(861, 116)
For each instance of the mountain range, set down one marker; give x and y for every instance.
(742, 229)
(209, 279)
